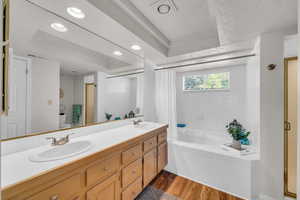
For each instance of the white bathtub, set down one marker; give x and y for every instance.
(198, 155)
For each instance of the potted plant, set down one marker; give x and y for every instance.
(108, 116)
(238, 133)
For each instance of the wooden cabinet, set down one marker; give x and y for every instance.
(133, 190)
(131, 172)
(162, 137)
(150, 166)
(103, 169)
(121, 171)
(162, 156)
(150, 144)
(66, 190)
(132, 154)
(108, 190)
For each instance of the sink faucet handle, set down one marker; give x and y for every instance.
(68, 135)
(136, 122)
(53, 139)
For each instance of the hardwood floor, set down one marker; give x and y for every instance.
(186, 189)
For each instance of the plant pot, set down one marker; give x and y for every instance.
(236, 144)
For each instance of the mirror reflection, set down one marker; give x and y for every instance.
(60, 75)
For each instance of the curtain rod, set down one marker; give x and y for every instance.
(206, 62)
(122, 75)
(186, 65)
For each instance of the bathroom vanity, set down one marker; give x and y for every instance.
(118, 171)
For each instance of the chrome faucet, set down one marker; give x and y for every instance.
(137, 122)
(61, 141)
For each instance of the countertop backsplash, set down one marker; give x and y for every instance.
(22, 144)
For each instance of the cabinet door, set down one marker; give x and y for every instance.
(162, 158)
(162, 137)
(132, 154)
(133, 190)
(150, 144)
(68, 189)
(102, 169)
(132, 172)
(150, 166)
(107, 190)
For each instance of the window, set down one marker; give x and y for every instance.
(204, 82)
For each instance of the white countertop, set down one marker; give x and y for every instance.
(17, 167)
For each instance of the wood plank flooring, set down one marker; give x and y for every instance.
(186, 189)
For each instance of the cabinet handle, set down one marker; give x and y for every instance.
(54, 197)
(287, 126)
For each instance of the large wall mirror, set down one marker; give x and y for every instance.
(62, 75)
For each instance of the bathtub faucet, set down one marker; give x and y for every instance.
(137, 122)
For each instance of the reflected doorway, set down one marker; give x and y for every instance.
(290, 126)
(90, 95)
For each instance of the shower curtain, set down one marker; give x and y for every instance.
(140, 93)
(166, 99)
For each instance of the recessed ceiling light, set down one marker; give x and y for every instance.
(163, 9)
(59, 27)
(136, 47)
(118, 53)
(76, 12)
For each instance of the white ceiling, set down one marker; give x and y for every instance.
(72, 56)
(106, 26)
(240, 20)
(197, 28)
(191, 17)
(203, 24)
(76, 50)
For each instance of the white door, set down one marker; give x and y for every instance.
(15, 123)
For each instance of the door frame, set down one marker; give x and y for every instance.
(85, 99)
(28, 92)
(3, 120)
(286, 192)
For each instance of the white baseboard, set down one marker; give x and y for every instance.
(265, 197)
(289, 198)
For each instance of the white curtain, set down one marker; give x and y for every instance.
(140, 93)
(166, 99)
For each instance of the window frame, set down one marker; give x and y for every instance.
(207, 89)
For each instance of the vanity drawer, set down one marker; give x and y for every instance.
(102, 169)
(133, 190)
(132, 154)
(149, 144)
(162, 137)
(131, 172)
(68, 189)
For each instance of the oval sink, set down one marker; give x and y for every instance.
(145, 126)
(61, 152)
